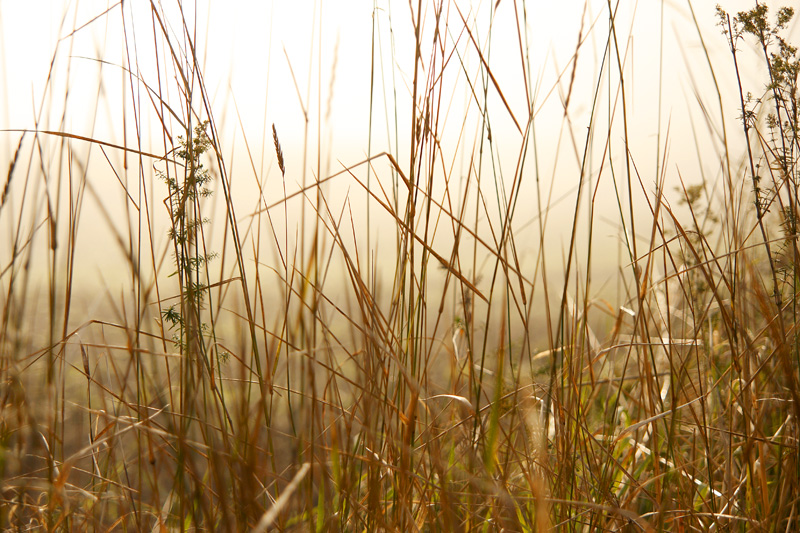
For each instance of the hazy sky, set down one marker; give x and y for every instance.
(247, 47)
(267, 63)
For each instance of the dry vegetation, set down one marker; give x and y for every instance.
(409, 368)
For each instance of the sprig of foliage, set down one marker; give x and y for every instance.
(183, 232)
(780, 146)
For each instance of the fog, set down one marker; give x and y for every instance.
(337, 85)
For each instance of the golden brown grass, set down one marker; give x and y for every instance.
(405, 355)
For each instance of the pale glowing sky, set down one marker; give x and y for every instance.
(247, 48)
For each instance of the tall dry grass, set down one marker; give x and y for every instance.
(296, 364)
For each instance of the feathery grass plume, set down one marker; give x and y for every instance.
(11, 167)
(278, 150)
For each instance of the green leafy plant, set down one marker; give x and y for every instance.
(185, 233)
